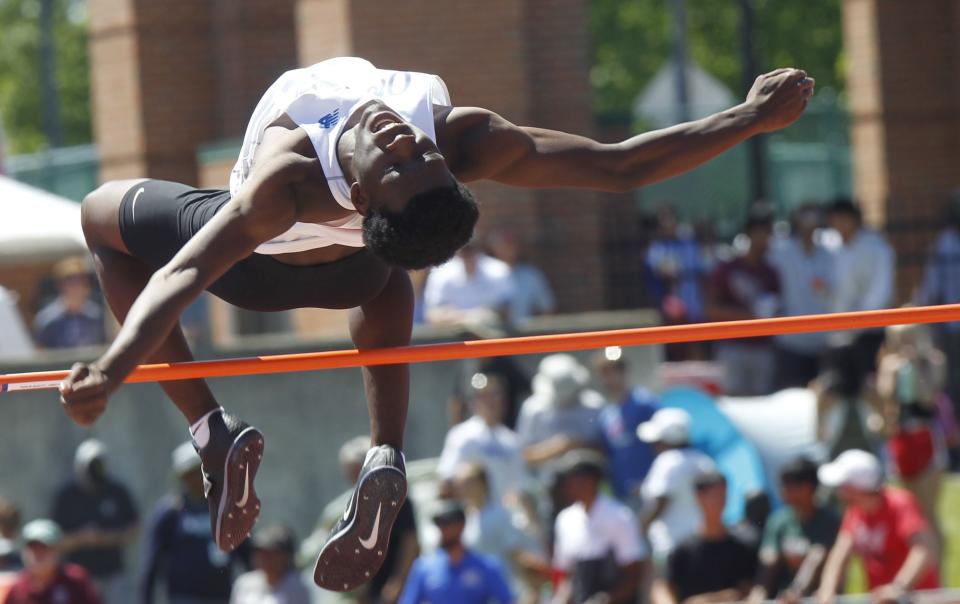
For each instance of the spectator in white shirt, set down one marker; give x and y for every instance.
(471, 289)
(562, 414)
(669, 495)
(805, 268)
(484, 439)
(863, 280)
(597, 546)
(532, 295)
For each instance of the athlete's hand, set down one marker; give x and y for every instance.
(84, 393)
(779, 97)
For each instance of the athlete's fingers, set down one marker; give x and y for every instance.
(77, 373)
(777, 72)
(83, 396)
(795, 76)
(92, 381)
(86, 411)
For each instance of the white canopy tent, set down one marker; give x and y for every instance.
(781, 426)
(36, 225)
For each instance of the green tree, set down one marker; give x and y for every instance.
(20, 97)
(632, 41)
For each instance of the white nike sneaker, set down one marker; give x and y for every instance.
(358, 543)
(231, 459)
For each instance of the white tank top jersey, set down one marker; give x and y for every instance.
(320, 99)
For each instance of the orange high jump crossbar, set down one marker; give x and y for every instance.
(507, 346)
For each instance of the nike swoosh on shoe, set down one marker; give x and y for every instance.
(371, 541)
(246, 489)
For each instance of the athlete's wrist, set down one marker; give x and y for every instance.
(113, 367)
(749, 117)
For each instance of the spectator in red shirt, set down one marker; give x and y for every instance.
(884, 526)
(747, 287)
(45, 579)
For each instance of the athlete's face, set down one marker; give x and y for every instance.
(394, 161)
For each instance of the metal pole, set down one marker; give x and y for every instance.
(679, 55)
(48, 77)
(751, 69)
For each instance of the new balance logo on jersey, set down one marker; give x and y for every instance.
(330, 120)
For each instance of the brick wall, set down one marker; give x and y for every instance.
(905, 108)
(169, 76)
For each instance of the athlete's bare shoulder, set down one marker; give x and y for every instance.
(478, 142)
(285, 154)
(283, 136)
(460, 130)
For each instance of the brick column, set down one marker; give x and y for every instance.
(168, 76)
(904, 58)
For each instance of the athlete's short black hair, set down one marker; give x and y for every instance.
(427, 232)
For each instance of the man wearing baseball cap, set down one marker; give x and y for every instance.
(884, 526)
(670, 502)
(45, 579)
(670, 511)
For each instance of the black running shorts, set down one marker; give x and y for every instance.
(158, 217)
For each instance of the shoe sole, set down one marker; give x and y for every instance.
(235, 521)
(345, 563)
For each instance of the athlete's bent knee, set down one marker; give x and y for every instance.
(99, 213)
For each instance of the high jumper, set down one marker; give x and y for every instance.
(348, 177)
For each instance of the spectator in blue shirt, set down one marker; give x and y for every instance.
(72, 319)
(676, 269)
(627, 408)
(453, 574)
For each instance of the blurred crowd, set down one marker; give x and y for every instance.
(70, 313)
(575, 485)
(594, 491)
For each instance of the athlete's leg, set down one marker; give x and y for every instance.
(385, 321)
(230, 449)
(123, 277)
(355, 548)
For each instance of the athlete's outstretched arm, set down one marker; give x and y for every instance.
(489, 147)
(263, 209)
